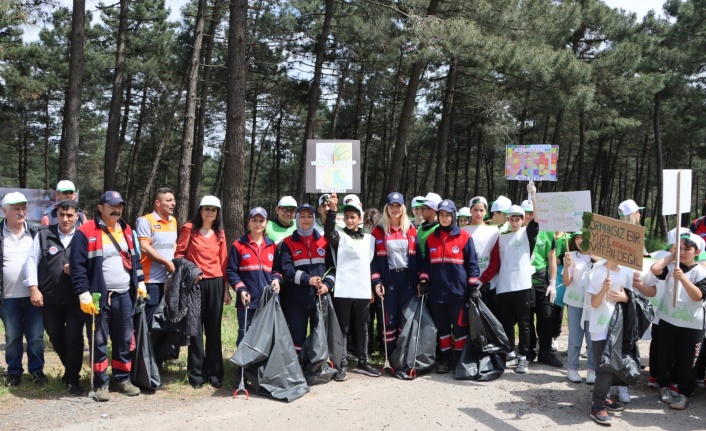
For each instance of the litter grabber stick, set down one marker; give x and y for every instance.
(241, 386)
(385, 368)
(413, 371)
(96, 304)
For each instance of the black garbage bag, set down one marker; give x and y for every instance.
(144, 372)
(322, 350)
(268, 355)
(483, 357)
(165, 343)
(418, 335)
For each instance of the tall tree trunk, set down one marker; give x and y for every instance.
(660, 165)
(47, 134)
(68, 167)
(479, 156)
(313, 97)
(132, 161)
(187, 145)
(235, 124)
(337, 105)
(365, 193)
(116, 103)
(557, 127)
(580, 172)
(123, 128)
(442, 137)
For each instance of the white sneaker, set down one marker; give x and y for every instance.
(511, 360)
(623, 394)
(573, 376)
(555, 346)
(591, 377)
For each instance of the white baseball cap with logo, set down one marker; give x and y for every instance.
(432, 200)
(628, 207)
(65, 186)
(478, 200)
(287, 201)
(527, 206)
(464, 212)
(351, 199)
(14, 198)
(515, 210)
(501, 204)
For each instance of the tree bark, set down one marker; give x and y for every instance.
(68, 167)
(187, 145)
(660, 164)
(123, 128)
(116, 102)
(442, 137)
(580, 172)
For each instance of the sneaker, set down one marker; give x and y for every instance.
(652, 383)
(555, 347)
(623, 394)
(675, 389)
(12, 380)
(39, 378)
(401, 375)
(550, 359)
(216, 383)
(613, 406)
(511, 360)
(522, 365)
(584, 355)
(74, 388)
(600, 416)
(127, 388)
(443, 368)
(590, 377)
(341, 375)
(665, 395)
(573, 376)
(680, 403)
(367, 369)
(102, 394)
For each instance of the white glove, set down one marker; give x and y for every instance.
(86, 303)
(531, 190)
(141, 290)
(551, 291)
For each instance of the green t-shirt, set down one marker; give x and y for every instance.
(544, 244)
(277, 233)
(422, 233)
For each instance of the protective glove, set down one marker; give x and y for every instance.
(86, 302)
(531, 190)
(141, 290)
(475, 293)
(424, 287)
(551, 291)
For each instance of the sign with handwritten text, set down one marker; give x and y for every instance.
(531, 162)
(562, 211)
(613, 239)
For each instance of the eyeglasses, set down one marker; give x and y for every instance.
(290, 210)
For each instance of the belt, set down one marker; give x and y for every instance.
(398, 269)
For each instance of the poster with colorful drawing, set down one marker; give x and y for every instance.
(333, 166)
(531, 162)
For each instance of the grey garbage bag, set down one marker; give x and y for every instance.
(322, 350)
(268, 355)
(418, 335)
(483, 357)
(144, 372)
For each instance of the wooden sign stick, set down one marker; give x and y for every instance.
(678, 244)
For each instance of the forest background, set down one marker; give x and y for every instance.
(223, 100)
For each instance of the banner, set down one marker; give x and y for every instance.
(37, 201)
(531, 162)
(669, 202)
(613, 240)
(332, 166)
(563, 211)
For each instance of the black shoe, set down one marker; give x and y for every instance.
(197, 385)
(341, 375)
(13, 380)
(367, 369)
(74, 388)
(550, 359)
(443, 368)
(216, 384)
(401, 375)
(39, 378)
(613, 406)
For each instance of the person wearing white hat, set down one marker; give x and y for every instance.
(526, 205)
(417, 204)
(485, 239)
(498, 216)
(464, 217)
(322, 209)
(202, 241)
(681, 328)
(65, 190)
(430, 224)
(282, 225)
(19, 317)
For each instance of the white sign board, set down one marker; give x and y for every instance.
(669, 201)
(563, 211)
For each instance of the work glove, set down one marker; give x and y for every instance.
(531, 190)
(551, 291)
(141, 290)
(86, 302)
(424, 287)
(475, 293)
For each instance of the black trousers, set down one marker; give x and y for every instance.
(354, 311)
(604, 379)
(543, 312)
(680, 347)
(558, 320)
(514, 308)
(206, 365)
(64, 326)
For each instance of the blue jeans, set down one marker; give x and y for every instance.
(241, 322)
(576, 337)
(21, 318)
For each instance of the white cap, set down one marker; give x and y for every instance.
(515, 210)
(432, 200)
(700, 243)
(210, 201)
(322, 198)
(14, 198)
(287, 201)
(65, 186)
(352, 205)
(527, 206)
(478, 199)
(672, 234)
(464, 212)
(628, 207)
(417, 201)
(501, 204)
(351, 199)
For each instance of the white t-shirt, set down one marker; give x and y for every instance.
(600, 317)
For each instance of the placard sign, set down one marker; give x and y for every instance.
(669, 202)
(613, 240)
(531, 162)
(332, 166)
(563, 211)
